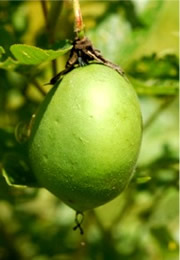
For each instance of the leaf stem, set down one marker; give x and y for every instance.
(39, 87)
(78, 25)
(157, 112)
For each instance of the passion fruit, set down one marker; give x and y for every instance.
(86, 137)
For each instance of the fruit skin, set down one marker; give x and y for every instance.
(86, 137)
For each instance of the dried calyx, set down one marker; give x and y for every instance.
(82, 53)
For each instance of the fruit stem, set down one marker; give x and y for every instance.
(78, 25)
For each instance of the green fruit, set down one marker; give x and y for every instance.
(86, 137)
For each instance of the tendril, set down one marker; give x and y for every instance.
(79, 218)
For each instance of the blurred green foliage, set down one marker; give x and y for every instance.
(142, 223)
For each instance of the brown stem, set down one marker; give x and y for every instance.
(78, 25)
(49, 32)
(45, 13)
(53, 14)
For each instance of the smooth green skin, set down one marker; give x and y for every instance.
(86, 137)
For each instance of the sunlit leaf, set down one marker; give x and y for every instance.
(32, 55)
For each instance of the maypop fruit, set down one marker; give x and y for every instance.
(86, 137)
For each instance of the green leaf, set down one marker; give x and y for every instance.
(143, 179)
(9, 64)
(2, 51)
(32, 55)
(17, 171)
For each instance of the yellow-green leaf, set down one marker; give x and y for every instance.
(32, 55)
